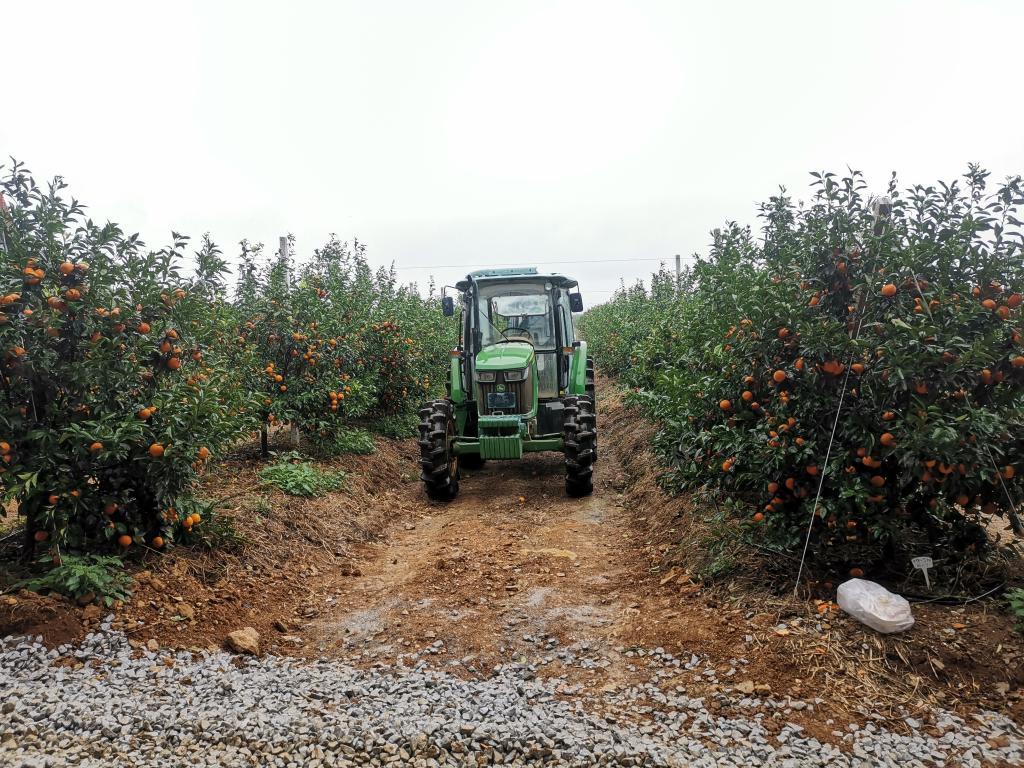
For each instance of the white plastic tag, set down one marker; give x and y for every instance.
(923, 564)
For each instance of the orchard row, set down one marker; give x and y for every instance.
(870, 351)
(122, 373)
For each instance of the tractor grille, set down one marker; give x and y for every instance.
(523, 391)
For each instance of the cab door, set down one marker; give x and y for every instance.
(567, 337)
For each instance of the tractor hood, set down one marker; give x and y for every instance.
(505, 357)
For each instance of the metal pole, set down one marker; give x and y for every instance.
(282, 250)
(678, 270)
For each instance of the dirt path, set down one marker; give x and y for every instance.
(512, 569)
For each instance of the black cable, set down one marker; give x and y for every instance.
(953, 599)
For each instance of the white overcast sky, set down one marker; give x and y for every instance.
(479, 133)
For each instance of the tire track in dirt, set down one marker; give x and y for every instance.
(494, 575)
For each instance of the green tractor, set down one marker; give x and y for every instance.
(519, 382)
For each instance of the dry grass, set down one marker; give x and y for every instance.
(689, 531)
(282, 553)
(330, 525)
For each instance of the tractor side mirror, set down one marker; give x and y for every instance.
(575, 302)
(448, 306)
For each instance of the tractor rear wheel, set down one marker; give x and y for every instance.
(579, 435)
(590, 389)
(439, 462)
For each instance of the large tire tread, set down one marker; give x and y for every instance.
(590, 390)
(579, 436)
(440, 473)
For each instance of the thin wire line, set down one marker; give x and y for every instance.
(540, 264)
(835, 425)
(824, 469)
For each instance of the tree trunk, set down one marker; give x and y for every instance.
(28, 545)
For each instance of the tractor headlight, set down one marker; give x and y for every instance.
(517, 375)
(485, 375)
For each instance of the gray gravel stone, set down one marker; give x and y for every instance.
(214, 709)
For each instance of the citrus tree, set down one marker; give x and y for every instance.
(397, 336)
(298, 371)
(108, 407)
(870, 352)
(331, 343)
(635, 333)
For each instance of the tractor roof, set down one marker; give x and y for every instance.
(514, 275)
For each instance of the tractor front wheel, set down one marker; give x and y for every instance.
(579, 435)
(439, 462)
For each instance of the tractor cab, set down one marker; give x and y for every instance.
(515, 380)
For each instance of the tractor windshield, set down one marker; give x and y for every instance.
(514, 313)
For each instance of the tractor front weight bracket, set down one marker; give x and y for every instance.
(506, 446)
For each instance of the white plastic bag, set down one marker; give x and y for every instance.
(874, 605)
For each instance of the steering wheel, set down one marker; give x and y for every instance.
(519, 332)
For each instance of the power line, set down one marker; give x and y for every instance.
(542, 264)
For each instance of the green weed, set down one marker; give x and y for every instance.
(397, 427)
(357, 441)
(302, 478)
(1016, 599)
(101, 576)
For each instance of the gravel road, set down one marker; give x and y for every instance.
(106, 703)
